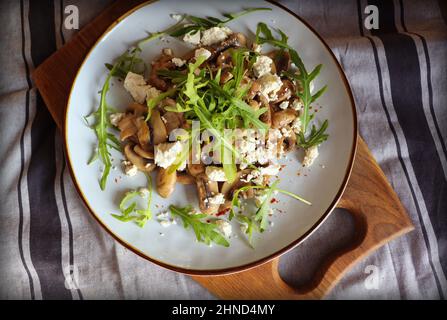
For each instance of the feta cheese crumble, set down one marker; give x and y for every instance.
(310, 155)
(136, 85)
(115, 118)
(144, 192)
(296, 125)
(176, 16)
(270, 170)
(224, 227)
(215, 35)
(262, 66)
(191, 38)
(270, 85)
(218, 199)
(215, 173)
(284, 105)
(129, 168)
(202, 52)
(178, 62)
(166, 153)
(297, 104)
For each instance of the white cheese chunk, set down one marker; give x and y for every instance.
(297, 104)
(176, 16)
(310, 155)
(215, 35)
(129, 168)
(178, 62)
(202, 52)
(262, 66)
(270, 85)
(217, 199)
(115, 118)
(296, 125)
(144, 192)
(166, 153)
(136, 85)
(215, 173)
(284, 105)
(270, 170)
(224, 227)
(191, 38)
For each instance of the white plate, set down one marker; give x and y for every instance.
(176, 248)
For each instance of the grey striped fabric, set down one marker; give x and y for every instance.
(50, 247)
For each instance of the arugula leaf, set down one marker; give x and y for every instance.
(315, 138)
(152, 103)
(200, 24)
(258, 221)
(303, 77)
(128, 207)
(251, 227)
(205, 232)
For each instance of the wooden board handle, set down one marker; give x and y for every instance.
(379, 217)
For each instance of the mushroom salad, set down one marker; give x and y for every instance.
(217, 118)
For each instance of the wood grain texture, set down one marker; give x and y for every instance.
(378, 213)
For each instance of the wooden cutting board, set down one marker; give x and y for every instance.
(379, 216)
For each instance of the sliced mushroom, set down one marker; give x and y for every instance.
(143, 153)
(233, 41)
(159, 132)
(281, 59)
(137, 109)
(166, 182)
(206, 189)
(223, 208)
(172, 120)
(143, 133)
(227, 187)
(127, 127)
(283, 118)
(184, 178)
(163, 62)
(254, 104)
(289, 143)
(224, 59)
(285, 92)
(226, 76)
(195, 169)
(139, 162)
(266, 117)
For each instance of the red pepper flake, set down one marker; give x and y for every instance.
(221, 213)
(274, 200)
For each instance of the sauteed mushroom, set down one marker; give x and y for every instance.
(283, 118)
(137, 109)
(166, 182)
(171, 120)
(185, 178)
(138, 161)
(206, 189)
(159, 132)
(195, 169)
(127, 127)
(143, 133)
(143, 153)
